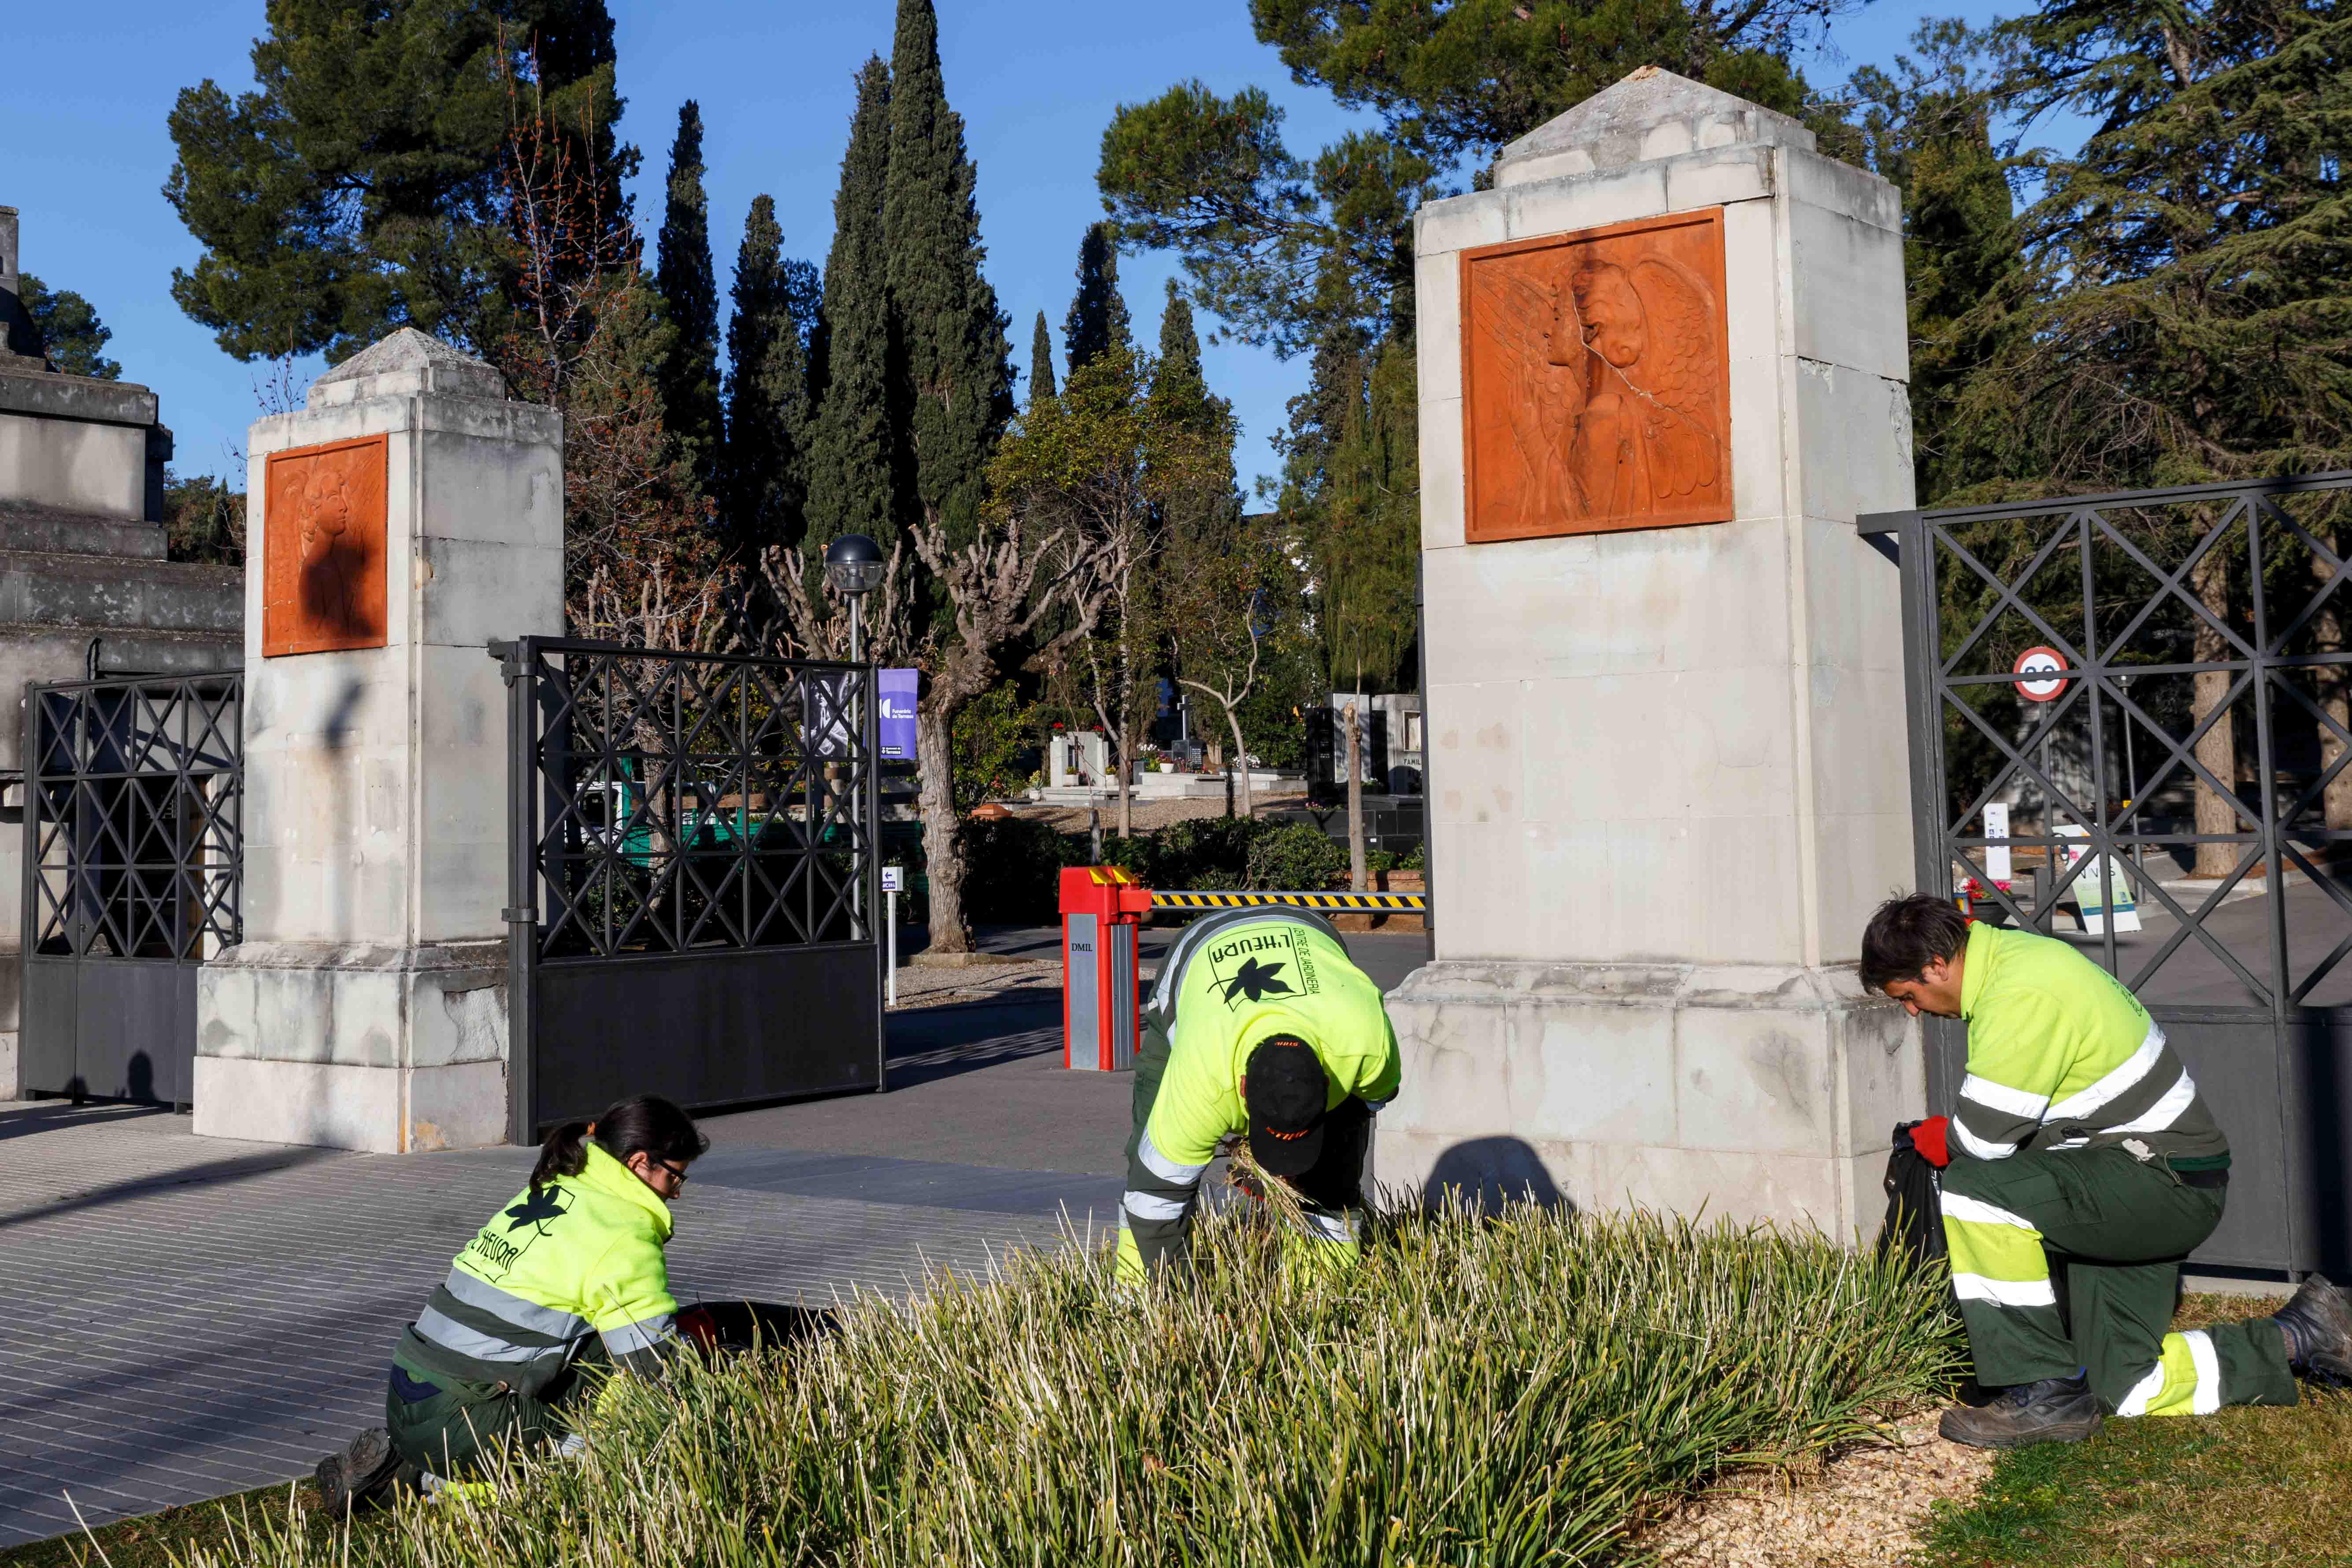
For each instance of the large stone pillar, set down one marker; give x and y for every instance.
(405, 517)
(1663, 367)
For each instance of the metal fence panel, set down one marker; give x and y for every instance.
(2199, 751)
(133, 865)
(693, 878)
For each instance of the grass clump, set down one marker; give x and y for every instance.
(1515, 1391)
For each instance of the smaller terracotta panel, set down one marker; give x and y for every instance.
(324, 557)
(1596, 389)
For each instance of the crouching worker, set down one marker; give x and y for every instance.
(1258, 1023)
(2079, 1136)
(568, 1277)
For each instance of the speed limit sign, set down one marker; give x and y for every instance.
(2044, 672)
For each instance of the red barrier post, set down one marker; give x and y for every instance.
(1102, 910)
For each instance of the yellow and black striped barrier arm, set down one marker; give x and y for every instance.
(1161, 899)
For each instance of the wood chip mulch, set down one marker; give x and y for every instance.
(1860, 1510)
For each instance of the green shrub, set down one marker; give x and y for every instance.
(1294, 856)
(1518, 1389)
(1012, 870)
(1416, 859)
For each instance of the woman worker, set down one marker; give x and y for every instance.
(568, 1275)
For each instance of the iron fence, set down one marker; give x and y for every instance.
(693, 846)
(2128, 728)
(133, 860)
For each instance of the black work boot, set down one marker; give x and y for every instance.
(2053, 1410)
(358, 1479)
(2319, 1317)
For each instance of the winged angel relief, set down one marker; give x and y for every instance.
(1598, 385)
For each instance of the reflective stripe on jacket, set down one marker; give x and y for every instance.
(2063, 1056)
(581, 1255)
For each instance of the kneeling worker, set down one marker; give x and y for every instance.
(2079, 1135)
(570, 1275)
(1258, 1023)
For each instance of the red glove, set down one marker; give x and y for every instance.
(1929, 1139)
(699, 1329)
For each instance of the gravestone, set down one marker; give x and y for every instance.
(405, 518)
(1662, 369)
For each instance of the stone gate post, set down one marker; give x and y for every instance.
(405, 518)
(1663, 366)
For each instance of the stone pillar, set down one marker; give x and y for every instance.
(1662, 369)
(405, 517)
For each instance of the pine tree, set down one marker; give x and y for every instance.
(851, 446)
(64, 328)
(360, 188)
(767, 394)
(1041, 361)
(689, 376)
(1097, 319)
(957, 364)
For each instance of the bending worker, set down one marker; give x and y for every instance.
(1258, 1023)
(2079, 1135)
(569, 1276)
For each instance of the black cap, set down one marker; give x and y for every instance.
(1286, 1093)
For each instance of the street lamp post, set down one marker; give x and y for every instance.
(852, 569)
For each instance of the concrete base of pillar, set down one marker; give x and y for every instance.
(385, 1049)
(1753, 1092)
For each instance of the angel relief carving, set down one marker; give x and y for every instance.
(1596, 387)
(323, 556)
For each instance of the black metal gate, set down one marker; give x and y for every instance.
(2195, 758)
(134, 852)
(693, 880)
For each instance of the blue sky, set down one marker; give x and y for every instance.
(84, 153)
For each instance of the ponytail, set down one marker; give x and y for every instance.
(644, 1124)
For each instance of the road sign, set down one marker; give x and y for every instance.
(2044, 669)
(893, 879)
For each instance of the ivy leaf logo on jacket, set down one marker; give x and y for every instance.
(1256, 981)
(539, 1206)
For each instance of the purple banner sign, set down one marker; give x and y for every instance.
(897, 688)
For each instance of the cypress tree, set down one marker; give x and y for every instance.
(1098, 317)
(1199, 512)
(957, 363)
(767, 394)
(1041, 361)
(851, 445)
(689, 376)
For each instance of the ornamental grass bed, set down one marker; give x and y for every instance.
(1491, 1390)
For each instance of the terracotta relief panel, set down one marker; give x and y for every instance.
(1596, 391)
(323, 556)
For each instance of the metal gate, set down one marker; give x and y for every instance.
(2195, 757)
(134, 852)
(693, 878)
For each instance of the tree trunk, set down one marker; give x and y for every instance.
(2333, 683)
(1240, 766)
(942, 833)
(1124, 766)
(2218, 752)
(1358, 877)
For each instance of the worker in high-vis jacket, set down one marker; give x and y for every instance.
(2079, 1136)
(570, 1276)
(1258, 1023)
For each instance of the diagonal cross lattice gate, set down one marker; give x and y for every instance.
(2196, 765)
(133, 853)
(693, 878)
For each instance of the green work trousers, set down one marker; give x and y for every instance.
(2120, 1226)
(444, 1423)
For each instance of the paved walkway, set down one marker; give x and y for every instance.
(191, 1317)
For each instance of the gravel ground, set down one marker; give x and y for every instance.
(987, 982)
(1859, 1510)
(1148, 813)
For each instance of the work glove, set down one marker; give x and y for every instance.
(1927, 1137)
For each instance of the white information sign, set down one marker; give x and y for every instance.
(1996, 825)
(893, 879)
(2100, 894)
